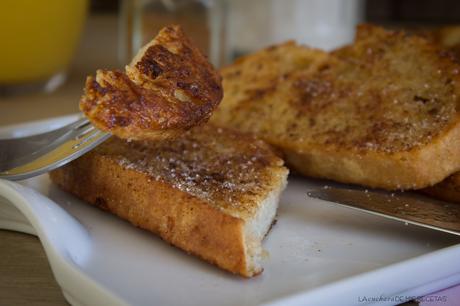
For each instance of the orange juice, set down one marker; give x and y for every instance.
(38, 37)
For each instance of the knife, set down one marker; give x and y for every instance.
(407, 207)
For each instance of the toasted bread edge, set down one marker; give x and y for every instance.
(177, 217)
(414, 169)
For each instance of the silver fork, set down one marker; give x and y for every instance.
(25, 157)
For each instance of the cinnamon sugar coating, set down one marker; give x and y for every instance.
(168, 88)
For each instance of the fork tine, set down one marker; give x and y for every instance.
(89, 136)
(76, 144)
(82, 122)
(83, 132)
(18, 151)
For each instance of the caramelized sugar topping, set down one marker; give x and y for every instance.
(229, 170)
(387, 92)
(169, 87)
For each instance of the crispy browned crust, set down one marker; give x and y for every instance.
(167, 89)
(158, 207)
(447, 190)
(196, 192)
(382, 112)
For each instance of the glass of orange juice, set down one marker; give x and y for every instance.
(38, 40)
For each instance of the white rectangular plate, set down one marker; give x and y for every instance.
(320, 254)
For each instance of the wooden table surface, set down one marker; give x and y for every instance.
(25, 275)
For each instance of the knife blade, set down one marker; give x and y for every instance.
(406, 207)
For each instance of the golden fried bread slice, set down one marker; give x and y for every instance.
(211, 192)
(382, 112)
(449, 188)
(168, 88)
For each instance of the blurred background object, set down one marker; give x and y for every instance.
(96, 48)
(40, 41)
(223, 29)
(142, 19)
(227, 29)
(252, 25)
(413, 12)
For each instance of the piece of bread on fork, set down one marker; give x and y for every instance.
(168, 88)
